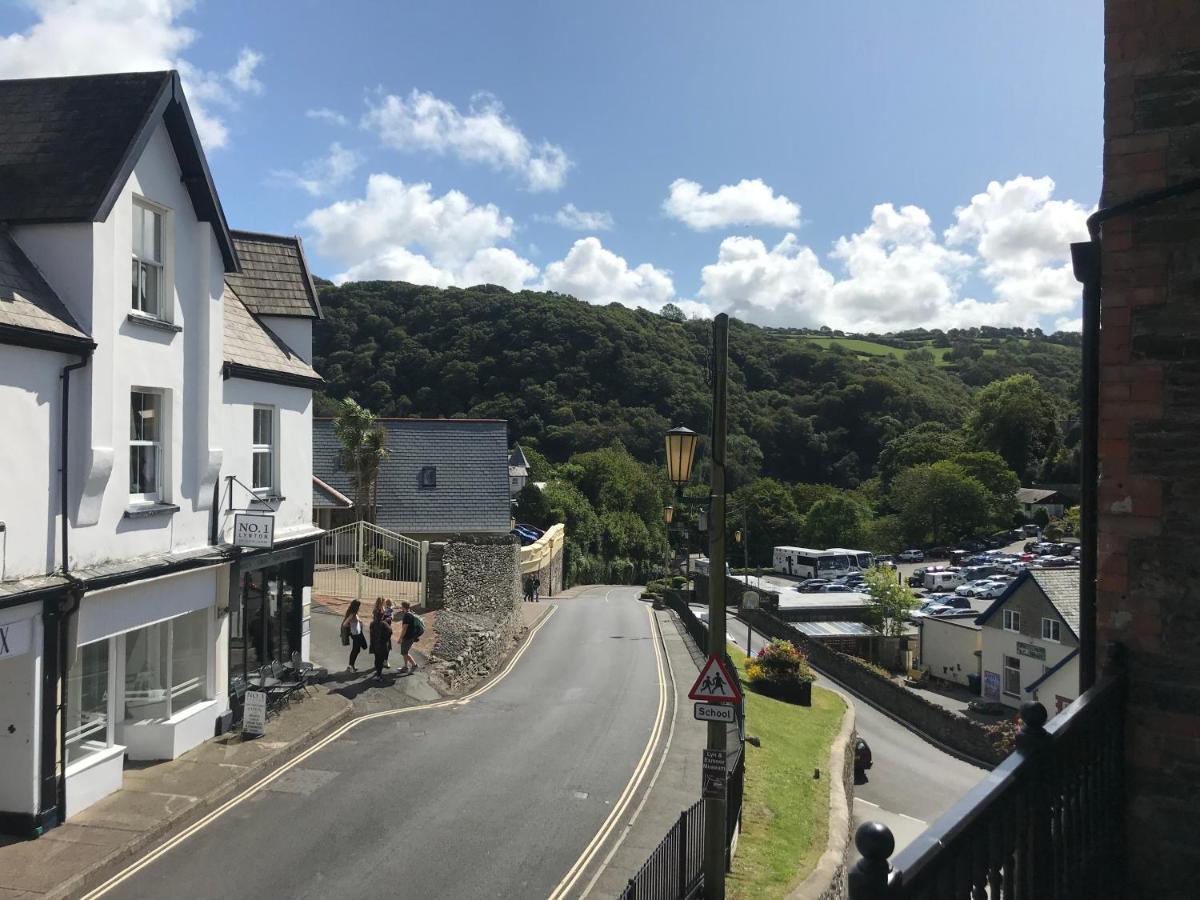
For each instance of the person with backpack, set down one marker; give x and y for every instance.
(411, 629)
(352, 633)
(537, 587)
(528, 589)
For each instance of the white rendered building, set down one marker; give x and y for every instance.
(155, 378)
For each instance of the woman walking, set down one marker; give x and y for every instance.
(352, 629)
(381, 639)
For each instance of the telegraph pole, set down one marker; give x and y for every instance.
(714, 807)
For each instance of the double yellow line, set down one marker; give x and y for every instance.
(639, 773)
(162, 850)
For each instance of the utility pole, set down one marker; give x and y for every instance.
(714, 807)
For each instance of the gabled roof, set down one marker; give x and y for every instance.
(518, 458)
(1060, 587)
(31, 314)
(254, 352)
(470, 483)
(275, 280)
(1035, 495)
(68, 146)
(325, 497)
(1054, 668)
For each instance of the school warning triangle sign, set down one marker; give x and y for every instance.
(714, 684)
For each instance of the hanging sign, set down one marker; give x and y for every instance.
(254, 714)
(253, 530)
(714, 684)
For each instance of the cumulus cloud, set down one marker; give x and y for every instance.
(320, 176)
(482, 134)
(325, 114)
(749, 202)
(897, 273)
(402, 231)
(575, 219)
(91, 37)
(591, 272)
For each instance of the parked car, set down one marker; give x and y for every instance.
(917, 578)
(834, 588)
(972, 546)
(862, 758)
(523, 536)
(888, 562)
(912, 556)
(811, 586)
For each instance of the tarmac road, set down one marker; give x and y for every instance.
(497, 797)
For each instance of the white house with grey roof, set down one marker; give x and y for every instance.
(441, 478)
(1030, 641)
(155, 382)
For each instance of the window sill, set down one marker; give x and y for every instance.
(143, 510)
(152, 322)
(268, 498)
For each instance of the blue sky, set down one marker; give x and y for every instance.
(479, 123)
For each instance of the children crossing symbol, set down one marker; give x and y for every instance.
(714, 684)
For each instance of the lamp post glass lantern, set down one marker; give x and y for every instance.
(681, 453)
(668, 514)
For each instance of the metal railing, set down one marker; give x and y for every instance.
(674, 870)
(1045, 823)
(363, 561)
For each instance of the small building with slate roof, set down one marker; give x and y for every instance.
(1030, 639)
(156, 382)
(518, 470)
(1032, 499)
(441, 477)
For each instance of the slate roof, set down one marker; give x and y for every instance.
(471, 460)
(275, 279)
(1061, 587)
(253, 351)
(325, 497)
(68, 146)
(518, 461)
(27, 302)
(1034, 495)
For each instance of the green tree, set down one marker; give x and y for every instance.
(672, 313)
(1041, 517)
(940, 503)
(838, 521)
(364, 448)
(1017, 419)
(894, 600)
(925, 444)
(770, 515)
(533, 507)
(1001, 483)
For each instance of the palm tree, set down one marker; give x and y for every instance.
(364, 448)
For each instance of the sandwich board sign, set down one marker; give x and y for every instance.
(714, 684)
(254, 714)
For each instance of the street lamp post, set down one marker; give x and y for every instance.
(668, 515)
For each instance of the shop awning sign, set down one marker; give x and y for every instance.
(14, 638)
(253, 530)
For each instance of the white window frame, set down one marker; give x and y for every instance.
(269, 450)
(1005, 670)
(1052, 630)
(1012, 620)
(157, 495)
(141, 206)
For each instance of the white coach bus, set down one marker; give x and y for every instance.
(802, 562)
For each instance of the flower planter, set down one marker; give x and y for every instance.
(798, 692)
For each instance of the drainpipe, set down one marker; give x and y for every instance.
(64, 433)
(1085, 258)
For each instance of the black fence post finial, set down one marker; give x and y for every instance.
(1036, 854)
(868, 879)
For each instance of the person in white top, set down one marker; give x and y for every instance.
(352, 629)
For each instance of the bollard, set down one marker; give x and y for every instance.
(868, 880)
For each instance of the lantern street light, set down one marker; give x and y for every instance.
(681, 453)
(668, 513)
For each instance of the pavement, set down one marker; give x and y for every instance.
(521, 788)
(911, 782)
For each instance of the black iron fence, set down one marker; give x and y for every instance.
(674, 870)
(1046, 822)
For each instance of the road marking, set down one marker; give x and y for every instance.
(597, 842)
(228, 805)
(654, 778)
(912, 818)
(867, 802)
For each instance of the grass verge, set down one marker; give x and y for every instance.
(785, 811)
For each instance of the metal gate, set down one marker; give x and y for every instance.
(363, 561)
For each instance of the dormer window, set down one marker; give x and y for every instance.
(148, 281)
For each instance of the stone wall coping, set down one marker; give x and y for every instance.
(831, 867)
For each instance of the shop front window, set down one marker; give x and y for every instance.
(166, 665)
(264, 621)
(87, 702)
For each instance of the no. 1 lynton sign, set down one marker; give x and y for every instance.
(253, 530)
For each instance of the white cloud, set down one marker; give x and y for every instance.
(483, 134)
(320, 176)
(327, 115)
(90, 37)
(785, 285)
(402, 231)
(593, 273)
(749, 202)
(575, 219)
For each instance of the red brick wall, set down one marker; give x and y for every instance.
(1149, 559)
